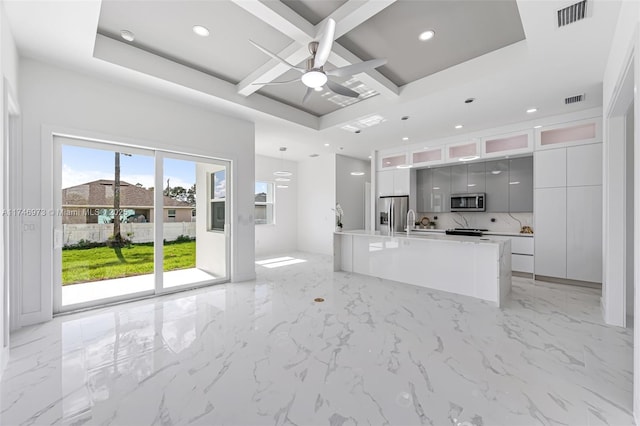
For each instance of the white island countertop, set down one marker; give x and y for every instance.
(473, 266)
(421, 235)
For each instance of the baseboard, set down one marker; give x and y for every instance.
(566, 281)
(522, 274)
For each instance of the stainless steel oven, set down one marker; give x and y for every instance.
(468, 202)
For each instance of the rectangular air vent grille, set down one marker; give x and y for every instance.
(573, 99)
(572, 13)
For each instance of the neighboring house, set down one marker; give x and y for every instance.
(92, 202)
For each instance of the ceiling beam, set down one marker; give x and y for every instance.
(283, 19)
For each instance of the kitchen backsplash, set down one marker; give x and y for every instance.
(504, 222)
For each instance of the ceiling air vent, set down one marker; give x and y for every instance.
(573, 13)
(573, 99)
(314, 155)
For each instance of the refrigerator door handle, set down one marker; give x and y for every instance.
(392, 219)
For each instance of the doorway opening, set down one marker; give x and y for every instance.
(132, 223)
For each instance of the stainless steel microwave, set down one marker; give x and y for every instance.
(468, 202)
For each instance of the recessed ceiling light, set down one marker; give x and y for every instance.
(357, 173)
(127, 35)
(537, 127)
(436, 187)
(404, 166)
(282, 186)
(405, 138)
(531, 110)
(426, 35)
(319, 89)
(514, 183)
(459, 126)
(369, 157)
(469, 158)
(281, 179)
(201, 31)
(282, 173)
(471, 184)
(327, 144)
(496, 172)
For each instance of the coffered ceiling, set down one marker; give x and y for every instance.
(508, 54)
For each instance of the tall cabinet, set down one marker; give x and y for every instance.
(568, 212)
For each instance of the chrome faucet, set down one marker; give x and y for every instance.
(410, 224)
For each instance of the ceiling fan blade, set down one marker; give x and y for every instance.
(307, 94)
(270, 83)
(325, 43)
(274, 56)
(354, 69)
(341, 90)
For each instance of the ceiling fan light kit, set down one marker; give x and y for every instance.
(314, 79)
(314, 76)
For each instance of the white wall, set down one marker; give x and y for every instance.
(350, 190)
(57, 100)
(316, 199)
(280, 237)
(625, 44)
(8, 88)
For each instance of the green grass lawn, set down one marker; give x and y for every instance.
(101, 263)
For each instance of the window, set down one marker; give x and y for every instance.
(217, 195)
(171, 214)
(263, 199)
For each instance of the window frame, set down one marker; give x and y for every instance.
(214, 203)
(271, 194)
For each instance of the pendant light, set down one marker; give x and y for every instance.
(283, 175)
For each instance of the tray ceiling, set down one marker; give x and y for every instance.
(464, 30)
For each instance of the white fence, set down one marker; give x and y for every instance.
(136, 232)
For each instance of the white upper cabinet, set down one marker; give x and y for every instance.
(427, 157)
(550, 168)
(401, 181)
(385, 182)
(584, 165)
(567, 134)
(462, 151)
(507, 144)
(392, 161)
(393, 182)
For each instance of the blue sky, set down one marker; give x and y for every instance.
(80, 165)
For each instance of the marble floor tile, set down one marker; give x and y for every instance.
(374, 352)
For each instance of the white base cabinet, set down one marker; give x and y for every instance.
(550, 212)
(568, 213)
(584, 233)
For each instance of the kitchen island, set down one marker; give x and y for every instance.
(472, 266)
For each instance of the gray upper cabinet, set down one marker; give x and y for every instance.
(441, 189)
(459, 179)
(475, 177)
(521, 185)
(424, 191)
(497, 186)
(508, 185)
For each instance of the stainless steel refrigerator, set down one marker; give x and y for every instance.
(393, 214)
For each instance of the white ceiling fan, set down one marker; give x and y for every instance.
(314, 76)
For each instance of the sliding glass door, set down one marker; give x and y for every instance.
(194, 222)
(132, 223)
